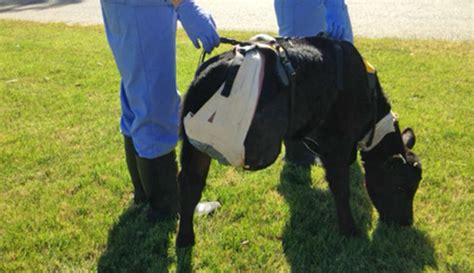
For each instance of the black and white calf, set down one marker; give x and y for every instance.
(334, 109)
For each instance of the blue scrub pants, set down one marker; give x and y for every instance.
(142, 36)
(300, 18)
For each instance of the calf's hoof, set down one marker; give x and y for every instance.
(185, 240)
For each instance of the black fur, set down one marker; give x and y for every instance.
(333, 119)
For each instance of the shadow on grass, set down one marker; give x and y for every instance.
(185, 256)
(134, 245)
(311, 241)
(21, 5)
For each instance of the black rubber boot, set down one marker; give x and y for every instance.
(297, 154)
(131, 158)
(159, 179)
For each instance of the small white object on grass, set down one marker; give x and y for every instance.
(206, 208)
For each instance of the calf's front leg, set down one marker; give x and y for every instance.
(338, 178)
(191, 179)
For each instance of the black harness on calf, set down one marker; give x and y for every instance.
(232, 74)
(372, 79)
(285, 70)
(287, 77)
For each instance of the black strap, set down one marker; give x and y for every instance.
(291, 74)
(372, 80)
(339, 66)
(232, 71)
(223, 40)
(229, 41)
(202, 58)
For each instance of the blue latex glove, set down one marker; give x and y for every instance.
(337, 19)
(198, 24)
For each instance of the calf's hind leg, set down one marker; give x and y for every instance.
(191, 180)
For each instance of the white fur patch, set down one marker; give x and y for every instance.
(382, 128)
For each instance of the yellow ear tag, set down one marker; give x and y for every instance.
(369, 67)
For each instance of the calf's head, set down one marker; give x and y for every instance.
(392, 182)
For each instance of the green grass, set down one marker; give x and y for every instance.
(65, 195)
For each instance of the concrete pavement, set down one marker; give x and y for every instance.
(424, 19)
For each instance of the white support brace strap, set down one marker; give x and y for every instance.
(385, 126)
(220, 127)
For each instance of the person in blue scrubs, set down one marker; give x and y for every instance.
(304, 18)
(142, 37)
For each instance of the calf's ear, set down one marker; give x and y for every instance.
(408, 136)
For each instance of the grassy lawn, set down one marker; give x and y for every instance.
(65, 195)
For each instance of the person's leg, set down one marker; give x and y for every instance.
(142, 39)
(155, 127)
(139, 195)
(159, 179)
(300, 18)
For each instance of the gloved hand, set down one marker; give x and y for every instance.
(337, 19)
(198, 24)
